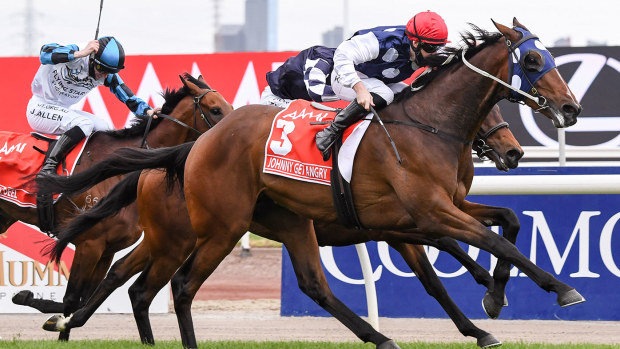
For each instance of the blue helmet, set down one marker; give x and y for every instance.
(111, 56)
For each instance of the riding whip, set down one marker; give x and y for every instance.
(99, 20)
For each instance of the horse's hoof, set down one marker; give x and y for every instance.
(488, 341)
(569, 298)
(388, 345)
(55, 323)
(23, 297)
(491, 308)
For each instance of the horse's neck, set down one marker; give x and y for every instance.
(459, 100)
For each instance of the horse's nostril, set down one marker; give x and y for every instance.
(513, 156)
(571, 110)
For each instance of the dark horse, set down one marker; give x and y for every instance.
(188, 112)
(418, 196)
(169, 239)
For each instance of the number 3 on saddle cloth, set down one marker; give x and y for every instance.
(291, 151)
(21, 157)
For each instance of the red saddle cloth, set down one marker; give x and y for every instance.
(19, 158)
(291, 147)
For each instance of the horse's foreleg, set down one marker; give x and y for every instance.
(169, 249)
(494, 300)
(479, 274)
(210, 250)
(417, 260)
(448, 220)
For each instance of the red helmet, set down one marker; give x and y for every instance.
(427, 27)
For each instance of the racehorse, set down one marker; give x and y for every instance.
(169, 239)
(95, 249)
(416, 195)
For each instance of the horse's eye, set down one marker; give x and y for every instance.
(533, 62)
(216, 111)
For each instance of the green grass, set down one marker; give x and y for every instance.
(125, 344)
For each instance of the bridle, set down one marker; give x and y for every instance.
(197, 107)
(480, 146)
(517, 95)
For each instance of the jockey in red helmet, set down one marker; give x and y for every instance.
(368, 68)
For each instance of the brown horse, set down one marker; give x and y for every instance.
(169, 240)
(95, 249)
(417, 195)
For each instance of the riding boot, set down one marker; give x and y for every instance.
(63, 145)
(45, 203)
(345, 118)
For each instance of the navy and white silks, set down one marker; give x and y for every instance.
(379, 57)
(63, 80)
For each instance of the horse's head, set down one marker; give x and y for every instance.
(532, 70)
(495, 141)
(208, 104)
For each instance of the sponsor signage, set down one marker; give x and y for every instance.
(576, 238)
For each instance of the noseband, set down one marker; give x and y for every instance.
(480, 146)
(197, 107)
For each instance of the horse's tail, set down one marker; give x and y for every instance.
(122, 161)
(121, 195)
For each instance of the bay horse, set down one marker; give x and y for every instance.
(416, 196)
(168, 239)
(196, 104)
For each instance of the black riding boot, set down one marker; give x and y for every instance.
(345, 118)
(63, 145)
(45, 203)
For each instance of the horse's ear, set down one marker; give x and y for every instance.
(183, 81)
(515, 23)
(508, 33)
(202, 79)
(190, 86)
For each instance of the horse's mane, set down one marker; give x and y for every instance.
(474, 43)
(172, 98)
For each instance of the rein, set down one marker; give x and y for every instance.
(197, 107)
(415, 123)
(539, 99)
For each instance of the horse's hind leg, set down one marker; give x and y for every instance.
(120, 272)
(299, 237)
(87, 270)
(304, 252)
(417, 260)
(494, 299)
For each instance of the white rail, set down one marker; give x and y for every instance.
(536, 152)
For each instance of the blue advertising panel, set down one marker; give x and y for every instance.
(576, 238)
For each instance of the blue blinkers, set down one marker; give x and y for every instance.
(519, 77)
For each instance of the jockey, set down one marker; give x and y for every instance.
(367, 69)
(65, 76)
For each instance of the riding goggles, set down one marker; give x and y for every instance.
(430, 48)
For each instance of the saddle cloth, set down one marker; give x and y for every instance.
(291, 149)
(19, 159)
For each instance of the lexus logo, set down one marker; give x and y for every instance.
(592, 67)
